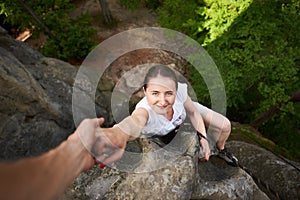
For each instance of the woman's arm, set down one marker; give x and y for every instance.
(115, 138)
(195, 116)
(198, 123)
(133, 124)
(48, 175)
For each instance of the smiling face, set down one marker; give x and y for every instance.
(160, 93)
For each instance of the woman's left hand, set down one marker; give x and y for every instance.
(205, 148)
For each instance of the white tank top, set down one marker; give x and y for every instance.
(158, 124)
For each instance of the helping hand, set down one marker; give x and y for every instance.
(106, 145)
(85, 137)
(111, 143)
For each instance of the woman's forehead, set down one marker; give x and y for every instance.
(161, 81)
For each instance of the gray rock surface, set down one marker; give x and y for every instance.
(172, 174)
(36, 100)
(29, 120)
(282, 175)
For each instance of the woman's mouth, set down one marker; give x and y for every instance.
(162, 107)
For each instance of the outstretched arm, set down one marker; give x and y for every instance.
(115, 138)
(48, 175)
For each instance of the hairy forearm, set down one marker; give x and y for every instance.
(46, 176)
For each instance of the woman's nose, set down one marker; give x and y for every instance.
(162, 99)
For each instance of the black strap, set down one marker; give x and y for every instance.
(166, 139)
(201, 135)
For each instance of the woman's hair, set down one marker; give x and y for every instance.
(160, 70)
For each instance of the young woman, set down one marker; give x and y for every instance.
(164, 107)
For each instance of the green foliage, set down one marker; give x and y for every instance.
(215, 18)
(134, 4)
(69, 38)
(130, 4)
(153, 4)
(284, 130)
(17, 15)
(174, 13)
(70, 41)
(256, 46)
(259, 51)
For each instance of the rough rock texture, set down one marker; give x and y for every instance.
(282, 175)
(171, 174)
(210, 180)
(36, 100)
(218, 180)
(30, 122)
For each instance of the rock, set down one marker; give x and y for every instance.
(36, 100)
(279, 173)
(28, 116)
(218, 180)
(169, 173)
(23, 52)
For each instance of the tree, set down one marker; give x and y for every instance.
(256, 46)
(106, 12)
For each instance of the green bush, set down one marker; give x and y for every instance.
(71, 39)
(134, 4)
(68, 38)
(153, 4)
(130, 4)
(174, 13)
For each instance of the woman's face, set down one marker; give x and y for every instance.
(161, 93)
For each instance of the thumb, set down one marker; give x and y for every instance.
(100, 120)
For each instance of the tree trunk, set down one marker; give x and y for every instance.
(36, 18)
(265, 116)
(106, 12)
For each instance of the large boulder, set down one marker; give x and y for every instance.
(185, 178)
(278, 173)
(36, 100)
(172, 172)
(29, 120)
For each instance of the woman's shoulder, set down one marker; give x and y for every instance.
(182, 91)
(142, 103)
(181, 84)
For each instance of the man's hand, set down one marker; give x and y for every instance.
(106, 145)
(85, 137)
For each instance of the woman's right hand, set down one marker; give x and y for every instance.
(111, 143)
